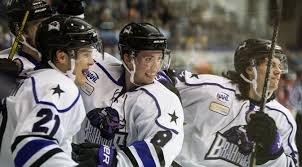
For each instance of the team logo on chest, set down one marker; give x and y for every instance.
(232, 146)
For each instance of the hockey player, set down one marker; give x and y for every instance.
(133, 119)
(47, 110)
(222, 118)
(27, 56)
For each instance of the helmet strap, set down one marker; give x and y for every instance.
(253, 81)
(132, 73)
(70, 73)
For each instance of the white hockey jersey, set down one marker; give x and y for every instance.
(43, 115)
(145, 115)
(215, 122)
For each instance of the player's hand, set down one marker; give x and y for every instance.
(89, 155)
(96, 117)
(106, 119)
(85, 154)
(262, 129)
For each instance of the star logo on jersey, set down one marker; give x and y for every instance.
(173, 117)
(194, 75)
(57, 90)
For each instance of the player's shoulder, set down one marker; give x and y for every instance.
(50, 87)
(207, 82)
(159, 91)
(109, 67)
(105, 59)
(167, 103)
(202, 79)
(278, 109)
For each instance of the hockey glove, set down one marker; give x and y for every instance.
(262, 130)
(8, 76)
(106, 119)
(91, 155)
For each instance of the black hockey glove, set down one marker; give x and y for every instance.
(262, 129)
(106, 119)
(91, 155)
(9, 71)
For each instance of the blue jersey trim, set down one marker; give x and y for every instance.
(51, 104)
(290, 134)
(119, 82)
(30, 149)
(29, 58)
(159, 111)
(144, 153)
(210, 83)
(164, 75)
(292, 127)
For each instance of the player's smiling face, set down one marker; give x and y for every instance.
(148, 63)
(82, 63)
(274, 75)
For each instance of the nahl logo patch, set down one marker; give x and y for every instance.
(92, 76)
(223, 97)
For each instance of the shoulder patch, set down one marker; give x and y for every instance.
(219, 108)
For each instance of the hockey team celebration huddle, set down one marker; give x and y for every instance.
(80, 88)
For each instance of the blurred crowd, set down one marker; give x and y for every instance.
(202, 36)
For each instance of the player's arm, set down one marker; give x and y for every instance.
(37, 139)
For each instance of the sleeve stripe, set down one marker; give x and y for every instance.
(29, 149)
(46, 156)
(144, 153)
(160, 155)
(20, 138)
(291, 134)
(130, 156)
